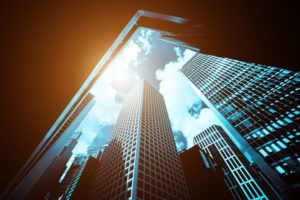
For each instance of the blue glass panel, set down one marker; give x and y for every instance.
(275, 125)
(272, 110)
(286, 140)
(235, 116)
(281, 144)
(269, 149)
(247, 123)
(263, 152)
(275, 147)
(280, 170)
(288, 120)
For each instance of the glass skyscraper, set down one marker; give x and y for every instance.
(47, 150)
(240, 178)
(67, 186)
(203, 175)
(49, 181)
(258, 107)
(141, 161)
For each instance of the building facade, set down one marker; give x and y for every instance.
(141, 161)
(82, 188)
(69, 182)
(46, 186)
(258, 107)
(47, 150)
(203, 176)
(240, 179)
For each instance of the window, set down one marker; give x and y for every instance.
(275, 125)
(247, 123)
(269, 149)
(275, 147)
(297, 112)
(265, 131)
(286, 140)
(263, 152)
(288, 120)
(270, 128)
(280, 122)
(281, 144)
(280, 170)
(235, 116)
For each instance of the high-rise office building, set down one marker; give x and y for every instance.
(66, 187)
(141, 161)
(82, 188)
(203, 176)
(76, 183)
(97, 146)
(258, 107)
(242, 181)
(94, 150)
(47, 185)
(47, 150)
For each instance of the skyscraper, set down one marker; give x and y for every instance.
(243, 183)
(49, 181)
(99, 143)
(203, 176)
(258, 107)
(82, 189)
(141, 161)
(67, 186)
(47, 150)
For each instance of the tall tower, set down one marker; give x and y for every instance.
(47, 150)
(141, 161)
(82, 188)
(258, 107)
(242, 182)
(203, 175)
(67, 186)
(48, 183)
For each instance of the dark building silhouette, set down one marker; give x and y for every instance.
(84, 184)
(77, 182)
(258, 107)
(243, 180)
(205, 179)
(48, 149)
(49, 181)
(66, 187)
(141, 161)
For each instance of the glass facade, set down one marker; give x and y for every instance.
(48, 183)
(72, 177)
(46, 151)
(260, 102)
(239, 179)
(141, 161)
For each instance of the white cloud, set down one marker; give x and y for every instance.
(144, 40)
(179, 97)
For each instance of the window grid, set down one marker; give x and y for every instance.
(260, 102)
(213, 137)
(141, 161)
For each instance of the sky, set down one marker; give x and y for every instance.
(146, 56)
